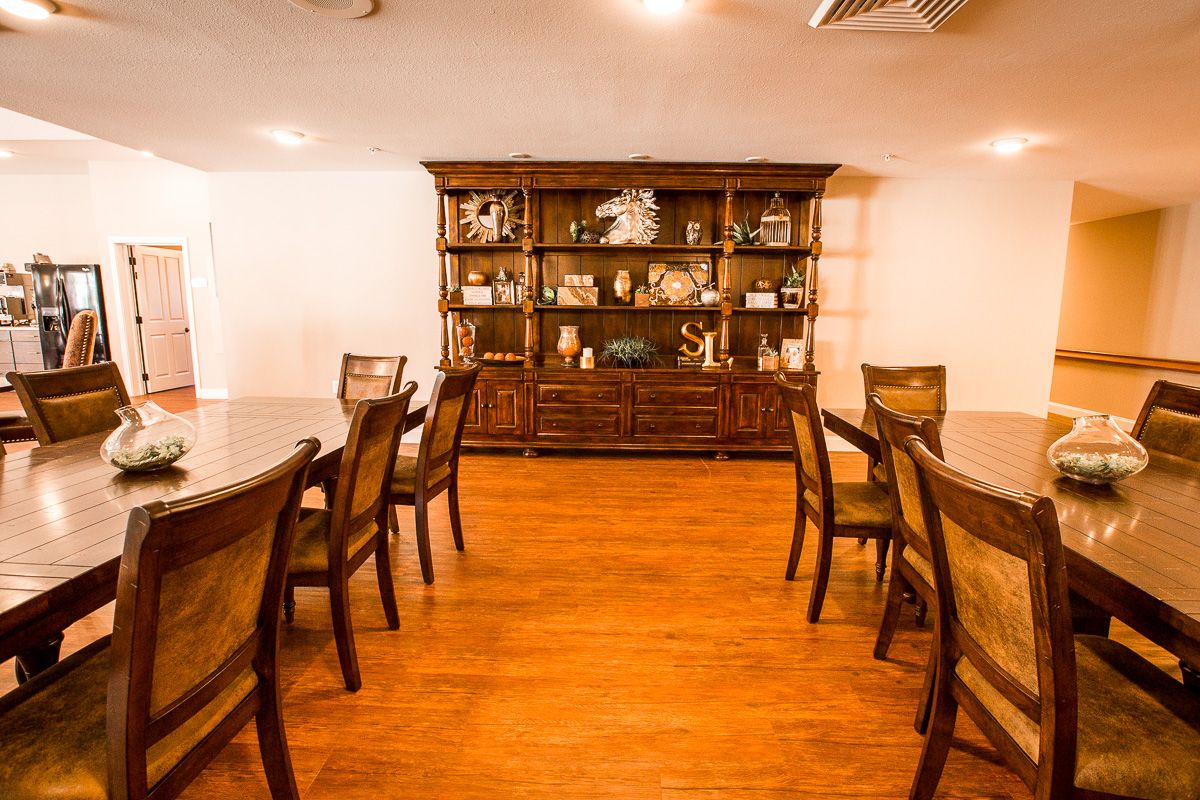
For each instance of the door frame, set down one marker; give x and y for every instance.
(125, 305)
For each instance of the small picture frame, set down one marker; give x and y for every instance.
(791, 354)
(503, 293)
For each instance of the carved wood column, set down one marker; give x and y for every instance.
(813, 309)
(443, 270)
(723, 279)
(530, 274)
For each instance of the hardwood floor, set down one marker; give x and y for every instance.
(618, 627)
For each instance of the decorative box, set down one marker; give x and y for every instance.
(578, 295)
(477, 295)
(579, 280)
(762, 300)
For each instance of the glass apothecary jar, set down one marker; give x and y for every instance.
(148, 438)
(1097, 451)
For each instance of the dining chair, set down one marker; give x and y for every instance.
(192, 657)
(333, 542)
(911, 560)
(1074, 716)
(434, 470)
(908, 389)
(81, 340)
(68, 403)
(370, 376)
(836, 509)
(1170, 420)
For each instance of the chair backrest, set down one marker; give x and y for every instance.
(1170, 420)
(814, 479)
(1003, 603)
(196, 625)
(910, 389)
(370, 376)
(444, 419)
(903, 492)
(68, 403)
(81, 340)
(365, 473)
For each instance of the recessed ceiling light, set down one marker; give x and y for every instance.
(6, 154)
(640, 156)
(756, 159)
(29, 9)
(146, 154)
(519, 155)
(287, 137)
(1013, 144)
(663, 6)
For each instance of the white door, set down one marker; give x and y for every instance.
(162, 318)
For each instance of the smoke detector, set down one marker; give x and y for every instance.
(919, 16)
(338, 9)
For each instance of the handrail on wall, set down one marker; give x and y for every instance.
(1178, 365)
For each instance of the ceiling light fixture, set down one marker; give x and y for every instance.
(29, 9)
(6, 154)
(519, 156)
(146, 154)
(663, 6)
(1013, 144)
(287, 137)
(640, 156)
(756, 159)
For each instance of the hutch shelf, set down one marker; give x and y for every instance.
(536, 403)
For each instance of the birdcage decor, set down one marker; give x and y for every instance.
(776, 229)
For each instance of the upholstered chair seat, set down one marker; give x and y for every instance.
(310, 553)
(404, 478)
(1139, 728)
(858, 504)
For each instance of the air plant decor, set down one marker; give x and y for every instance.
(743, 234)
(792, 291)
(629, 351)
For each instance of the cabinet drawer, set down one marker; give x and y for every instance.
(686, 395)
(608, 394)
(27, 351)
(702, 426)
(578, 424)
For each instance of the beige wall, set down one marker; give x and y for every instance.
(1131, 288)
(49, 214)
(955, 272)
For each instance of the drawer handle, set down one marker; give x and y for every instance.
(599, 395)
(699, 425)
(599, 425)
(554, 395)
(653, 395)
(653, 427)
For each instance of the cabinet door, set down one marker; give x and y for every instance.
(781, 423)
(476, 413)
(749, 416)
(505, 407)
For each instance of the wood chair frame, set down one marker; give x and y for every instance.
(34, 387)
(370, 367)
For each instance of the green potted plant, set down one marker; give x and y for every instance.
(792, 292)
(770, 360)
(641, 296)
(629, 351)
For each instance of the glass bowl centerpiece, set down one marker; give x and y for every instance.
(1096, 451)
(148, 438)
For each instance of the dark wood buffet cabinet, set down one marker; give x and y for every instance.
(536, 403)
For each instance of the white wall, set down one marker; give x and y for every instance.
(963, 273)
(315, 264)
(150, 200)
(49, 214)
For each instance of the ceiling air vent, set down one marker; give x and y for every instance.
(920, 16)
(340, 9)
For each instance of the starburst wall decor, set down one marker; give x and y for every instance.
(493, 216)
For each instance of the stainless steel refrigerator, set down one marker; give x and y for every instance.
(62, 291)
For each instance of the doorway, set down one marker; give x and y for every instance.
(161, 316)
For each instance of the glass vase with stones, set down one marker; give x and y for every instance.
(776, 224)
(148, 438)
(1097, 451)
(568, 344)
(623, 288)
(464, 335)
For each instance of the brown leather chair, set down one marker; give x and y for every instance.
(193, 654)
(332, 543)
(836, 509)
(81, 340)
(418, 480)
(370, 376)
(1170, 420)
(912, 566)
(68, 403)
(1074, 716)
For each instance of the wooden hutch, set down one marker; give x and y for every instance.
(536, 403)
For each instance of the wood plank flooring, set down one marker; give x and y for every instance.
(618, 627)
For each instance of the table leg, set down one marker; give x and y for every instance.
(40, 659)
(1088, 618)
(1191, 676)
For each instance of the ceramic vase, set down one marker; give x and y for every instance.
(568, 344)
(623, 287)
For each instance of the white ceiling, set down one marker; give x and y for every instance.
(1107, 92)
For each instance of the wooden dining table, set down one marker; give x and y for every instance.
(63, 510)
(1132, 548)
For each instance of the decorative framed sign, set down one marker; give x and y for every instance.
(677, 283)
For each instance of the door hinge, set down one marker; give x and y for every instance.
(138, 319)
(132, 261)
(145, 377)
